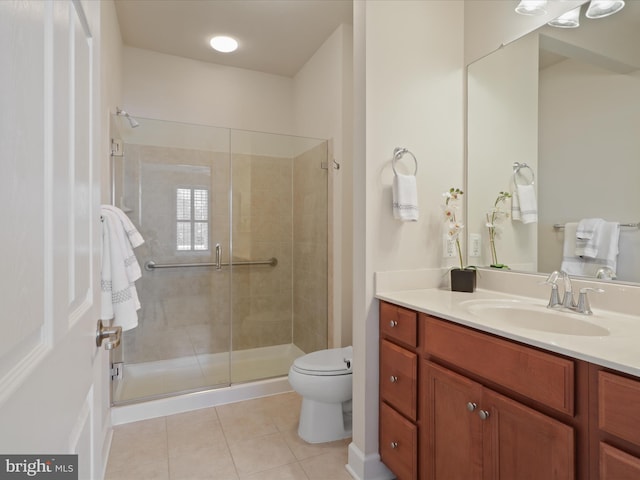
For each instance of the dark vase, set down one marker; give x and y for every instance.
(463, 280)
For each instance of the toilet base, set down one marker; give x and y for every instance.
(324, 422)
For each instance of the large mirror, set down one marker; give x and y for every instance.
(555, 116)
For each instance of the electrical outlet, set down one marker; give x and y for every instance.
(449, 246)
(475, 245)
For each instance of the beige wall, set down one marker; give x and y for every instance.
(178, 89)
(582, 175)
(409, 93)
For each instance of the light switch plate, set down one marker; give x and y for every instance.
(475, 245)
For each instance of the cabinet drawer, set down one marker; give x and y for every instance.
(399, 378)
(399, 323)
(618, 406)
(541, 376)
(617, 465)
(398, 443)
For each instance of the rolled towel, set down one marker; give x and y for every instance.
(405, 198)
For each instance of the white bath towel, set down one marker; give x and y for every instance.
(120, 270)
(524, 206)
(405, 198)
(130, 229)
(587, 237)
(607, 256)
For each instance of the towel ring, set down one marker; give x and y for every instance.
(517, 166)
(398, 153)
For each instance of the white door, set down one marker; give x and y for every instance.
(50, 402)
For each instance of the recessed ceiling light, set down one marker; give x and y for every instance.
(223, 44)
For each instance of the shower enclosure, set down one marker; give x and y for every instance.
(235, 277)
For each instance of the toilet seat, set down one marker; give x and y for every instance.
(329, 362)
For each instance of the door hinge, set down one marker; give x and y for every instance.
(117, 370)
(116, 148)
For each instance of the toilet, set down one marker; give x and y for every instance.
(324, 380)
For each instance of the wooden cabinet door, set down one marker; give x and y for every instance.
(617, 465)
(521, 443)
(452, 434)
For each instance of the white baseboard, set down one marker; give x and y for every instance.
(367, 467)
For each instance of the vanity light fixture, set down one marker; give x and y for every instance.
(603, 8)
(224, 44)
(570, 19)
(532, 7)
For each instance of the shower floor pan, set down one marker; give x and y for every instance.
(149, 380)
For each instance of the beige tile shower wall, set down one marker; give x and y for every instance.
(184, 310)
(262, 228)
(310, 309)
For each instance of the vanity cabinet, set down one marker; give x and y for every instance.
(472, 432)
(615, 452)
(470, 405)
(399, 390)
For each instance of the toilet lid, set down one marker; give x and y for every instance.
(325, 362)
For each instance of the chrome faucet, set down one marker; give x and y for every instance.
(568, 302)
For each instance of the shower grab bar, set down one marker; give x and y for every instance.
(151, 265)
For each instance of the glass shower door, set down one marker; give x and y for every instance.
(279, 205)
(173, 181)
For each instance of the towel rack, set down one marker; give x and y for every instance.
(517, 166)
(560, 226)
(398, 153)
(151, 265)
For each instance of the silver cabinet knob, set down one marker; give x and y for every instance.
(484, 414)
(393, 379)
(393, 323)
(471, 406)
(394, 444)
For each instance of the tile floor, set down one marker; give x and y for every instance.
(250, 440)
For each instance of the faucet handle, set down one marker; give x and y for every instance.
(583, 301)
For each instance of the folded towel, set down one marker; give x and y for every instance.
(524, 206)
(120, 270)
(405, 198)
(587, 236)
(607, 255)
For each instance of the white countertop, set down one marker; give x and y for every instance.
(619, 350)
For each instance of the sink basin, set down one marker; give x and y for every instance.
(534, 317)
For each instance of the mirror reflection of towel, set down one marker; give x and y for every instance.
(588, 237)
(524, 206)
(607, 253)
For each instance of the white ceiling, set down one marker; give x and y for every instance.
(275, 36)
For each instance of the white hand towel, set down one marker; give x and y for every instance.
(405, 198)
(524, 206)
(118, 274)
(608, 237)
(587, 237)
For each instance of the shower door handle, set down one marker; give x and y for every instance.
(218, 257)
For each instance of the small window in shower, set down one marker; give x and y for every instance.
(192, 212)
